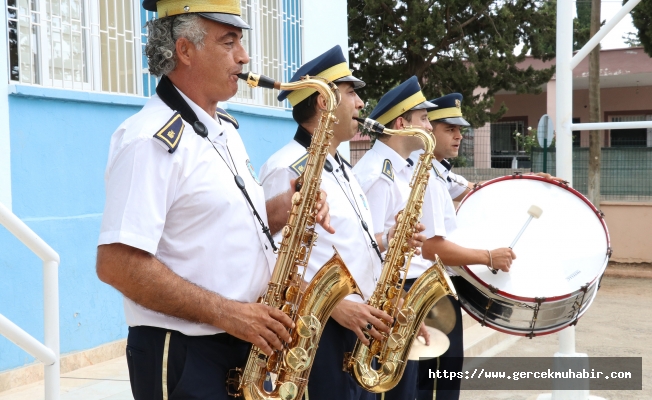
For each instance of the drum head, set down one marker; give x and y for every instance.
(563, 250)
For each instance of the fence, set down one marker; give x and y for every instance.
(625, 172)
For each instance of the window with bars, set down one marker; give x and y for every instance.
(274, 46)
(73, 44)
(93, 45)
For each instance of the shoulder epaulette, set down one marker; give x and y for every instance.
(170, 134)
(300, 165)
(388, 171)
(223, 115)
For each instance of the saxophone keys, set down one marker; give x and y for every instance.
(288, 391)
(405, 316)
(308, 325)
(287, 230)
(296, 198)
(389, 367)
(395, 341)
(297, 359)
(368, 376)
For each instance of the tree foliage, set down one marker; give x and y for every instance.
(642, 19)
(452, 46)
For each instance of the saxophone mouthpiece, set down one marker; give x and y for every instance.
(371, 125)
(255, 80)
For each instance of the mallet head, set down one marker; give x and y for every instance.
(535, 211)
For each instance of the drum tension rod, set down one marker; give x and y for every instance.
(486, 310)
(609, 251)
(584, 290)
(539, 300)
(492, 289)
(517, 174)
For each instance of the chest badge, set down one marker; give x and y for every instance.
(252, 171)
(364, 202)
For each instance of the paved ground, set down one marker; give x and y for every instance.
(619, 323)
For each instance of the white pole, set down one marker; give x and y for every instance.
(564, 93)
(593, 126)
(597, 38)
(51, 326)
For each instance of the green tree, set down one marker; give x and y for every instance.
(582, 24)
(642, 20)
(452, 46)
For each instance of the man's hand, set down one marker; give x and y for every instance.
(142, 278)
(423, 332)
(323, 218)
(417, 237)
(501, 259)
(264, 326)
(358, 316)
(548, 176)
(278, 209)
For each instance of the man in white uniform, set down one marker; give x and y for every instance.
(349, 217)
(384, 173)
(446, 121)
(184, 234)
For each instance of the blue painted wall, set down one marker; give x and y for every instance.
(58, 155)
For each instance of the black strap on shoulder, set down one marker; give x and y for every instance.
(171, 97)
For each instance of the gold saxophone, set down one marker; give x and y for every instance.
(309, 308)
(392, 352)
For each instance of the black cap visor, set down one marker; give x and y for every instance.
(357, 83)
(426, 105)
(228, 19)
(454, 121)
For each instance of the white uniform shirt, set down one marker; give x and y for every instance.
(186, 209)
(345, 198)
(388, 192)
(457, 184)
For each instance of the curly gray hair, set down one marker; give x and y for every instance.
(160, 48)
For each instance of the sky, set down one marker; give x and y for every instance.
(614, 40)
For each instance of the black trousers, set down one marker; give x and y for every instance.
(196, 367)
(328, 380)
(451, 361)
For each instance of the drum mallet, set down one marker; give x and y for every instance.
(535, 212)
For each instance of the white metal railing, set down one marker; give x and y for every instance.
(48, 351)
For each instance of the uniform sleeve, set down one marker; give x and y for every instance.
(434, 206)
(458, 185)
(276, 181)
(380, 205)
(140, 183)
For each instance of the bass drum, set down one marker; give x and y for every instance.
(561, 256)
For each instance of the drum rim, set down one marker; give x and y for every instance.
(596, 212)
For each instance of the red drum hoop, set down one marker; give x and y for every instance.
(560, 257)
